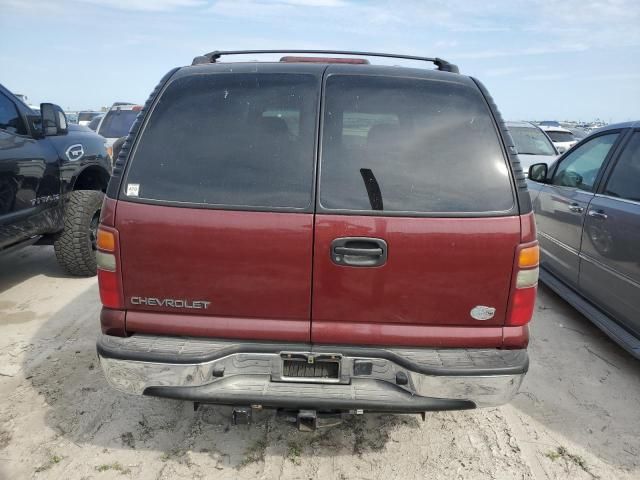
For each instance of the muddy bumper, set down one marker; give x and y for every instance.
(318, 377)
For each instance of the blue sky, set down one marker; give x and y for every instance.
(540, 59)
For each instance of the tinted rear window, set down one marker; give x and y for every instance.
(410, 145)
(242, 140)
(117, 123)
(561, 136)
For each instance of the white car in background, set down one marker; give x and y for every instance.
(117, 122)
(562, 138)
(532, 143)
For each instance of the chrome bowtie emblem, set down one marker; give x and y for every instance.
(481, 312)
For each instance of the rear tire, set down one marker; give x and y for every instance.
(76, 246)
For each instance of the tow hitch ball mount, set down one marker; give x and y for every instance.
(304, 420)
(311, 420)
(241, 416)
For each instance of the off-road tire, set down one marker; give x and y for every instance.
(75, 246)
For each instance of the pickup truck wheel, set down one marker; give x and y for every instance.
(76, 246)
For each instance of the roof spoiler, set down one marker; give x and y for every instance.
(212, 57)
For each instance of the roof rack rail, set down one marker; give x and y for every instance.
(212, 57)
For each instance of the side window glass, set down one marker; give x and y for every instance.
(580, 168)
(625, 178)
(10, 119)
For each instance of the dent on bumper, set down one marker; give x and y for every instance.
(239, 373)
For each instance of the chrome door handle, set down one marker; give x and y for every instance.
(599, 214)
(574, 207)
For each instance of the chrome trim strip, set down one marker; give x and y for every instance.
(618, 199)
(559, 243)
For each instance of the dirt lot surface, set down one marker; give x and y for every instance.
(577, 415)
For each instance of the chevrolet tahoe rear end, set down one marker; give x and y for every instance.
(318, 236)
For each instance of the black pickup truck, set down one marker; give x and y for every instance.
(52, 178)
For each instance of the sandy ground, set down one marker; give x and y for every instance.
(577, 415)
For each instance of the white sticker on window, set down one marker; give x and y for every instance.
(133, 189)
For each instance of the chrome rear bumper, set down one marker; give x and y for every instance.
(374, 379)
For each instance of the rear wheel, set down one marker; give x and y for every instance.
(76, 246)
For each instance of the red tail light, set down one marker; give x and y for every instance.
(522, 303)
(525, 278)
(110, 295)
(109, 274)
(524, 285)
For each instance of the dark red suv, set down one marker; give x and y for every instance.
(318, 235)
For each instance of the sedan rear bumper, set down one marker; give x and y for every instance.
(370, 379)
